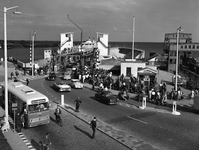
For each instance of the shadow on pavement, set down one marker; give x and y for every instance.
(35, 144)
(52, 119)
(86, 133)
(68, 107)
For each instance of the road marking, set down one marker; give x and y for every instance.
(137, 120)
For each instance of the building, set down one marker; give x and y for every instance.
(47, 54)
(66, 42)
(186, 48)
(102, 44)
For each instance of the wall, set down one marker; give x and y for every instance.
(134, 67)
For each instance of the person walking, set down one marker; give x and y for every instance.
(77, 104)
(45, 143)
(18, 122)
(93, 125)
(27, 81)
(57, 113)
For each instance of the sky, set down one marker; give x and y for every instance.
(49, 18)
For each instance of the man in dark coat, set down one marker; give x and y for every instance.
(93, 125)
(77, 104)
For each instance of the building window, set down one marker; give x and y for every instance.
(170, 61)
(181, 47)
(193, 46)
(197, 46)
(185, 47)
(189, 46)
(128, 71)
(171, 53)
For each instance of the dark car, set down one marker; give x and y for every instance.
(106, 97)
(52, 76)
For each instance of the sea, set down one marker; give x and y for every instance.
(23, 54)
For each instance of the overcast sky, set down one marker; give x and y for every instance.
(153, 18)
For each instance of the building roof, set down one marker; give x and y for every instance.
(147, 71)
(157, 56)
(111, 61)
(136, 53)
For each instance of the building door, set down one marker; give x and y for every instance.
(128, 71)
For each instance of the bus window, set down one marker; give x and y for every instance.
(38, 107)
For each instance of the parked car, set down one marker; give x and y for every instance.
(52, 76)
(75, 83)
(106, 97)
(67, 76)
(180, 80)
(61, 86)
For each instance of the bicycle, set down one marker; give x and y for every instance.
(44, 146)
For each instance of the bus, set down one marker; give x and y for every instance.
(33, 104)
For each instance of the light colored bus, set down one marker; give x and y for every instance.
(33, 104)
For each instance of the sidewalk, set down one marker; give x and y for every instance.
(12, 140)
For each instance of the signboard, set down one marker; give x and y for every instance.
(15, 108)
(38, 101)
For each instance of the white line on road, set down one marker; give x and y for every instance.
(137, 120)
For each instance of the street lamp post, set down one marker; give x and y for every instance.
(176, 75)
(6, 125)
(33, 51)
(82, 61)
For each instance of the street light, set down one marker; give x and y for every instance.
(5, 61)
(81, 41)
(176, 79)
(33, 51)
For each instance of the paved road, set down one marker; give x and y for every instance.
(74, 135)
(162, 130)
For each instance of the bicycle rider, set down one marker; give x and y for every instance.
(57, 113)
(45, 142)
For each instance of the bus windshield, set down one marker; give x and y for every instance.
(38, 107)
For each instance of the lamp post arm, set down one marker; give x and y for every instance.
(6, 9)
(75, 24)
(82, 63)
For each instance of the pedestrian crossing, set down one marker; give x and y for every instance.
(27, 142)
(32, 78)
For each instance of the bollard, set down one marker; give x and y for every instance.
(174, 111)
(62, 100)
(143, 103)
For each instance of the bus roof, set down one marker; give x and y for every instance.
(25, 93)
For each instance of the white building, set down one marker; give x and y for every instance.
(47, 54)
(102, 43)
(66, 41)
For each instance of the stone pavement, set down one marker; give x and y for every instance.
(120, 136)
(13, 141)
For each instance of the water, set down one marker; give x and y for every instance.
(23, 54)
